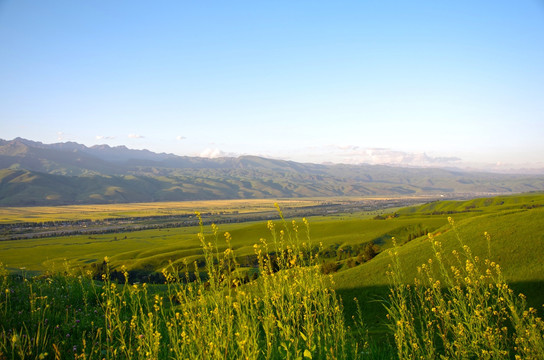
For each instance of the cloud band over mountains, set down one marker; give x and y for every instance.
(360, 155)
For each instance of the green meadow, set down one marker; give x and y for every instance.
(515, 225)
(154, 249)
(416, 282)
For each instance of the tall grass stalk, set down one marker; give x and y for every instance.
(288, 312)
(461, 309)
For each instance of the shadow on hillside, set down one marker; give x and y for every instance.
(373, 302)
(534, 290)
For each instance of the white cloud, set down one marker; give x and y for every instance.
(215, 153)
(62, 136)
(135, 136)
(180, 137)
(351, 154)
(103, 137)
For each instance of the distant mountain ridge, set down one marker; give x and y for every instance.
(103, 152)
(33, 173)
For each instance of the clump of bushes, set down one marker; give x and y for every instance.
(329, 267)
(368, 252)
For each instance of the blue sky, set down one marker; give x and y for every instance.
(401, 82)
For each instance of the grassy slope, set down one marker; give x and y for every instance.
(517, 244)
(479, 205)
(154, 248)
(515, 223)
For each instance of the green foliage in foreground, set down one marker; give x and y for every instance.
(460, 308)
(290, 312)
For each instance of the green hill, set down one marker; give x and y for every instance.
(516, 228)
(514, 223)
(479, 205)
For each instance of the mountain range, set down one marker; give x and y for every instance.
(33, 173)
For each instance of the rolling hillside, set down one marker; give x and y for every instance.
(515, 224)
(516, 228)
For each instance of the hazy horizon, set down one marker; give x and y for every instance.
(420, 83)
(381, 157)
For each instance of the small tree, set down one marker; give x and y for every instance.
(369, 252)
